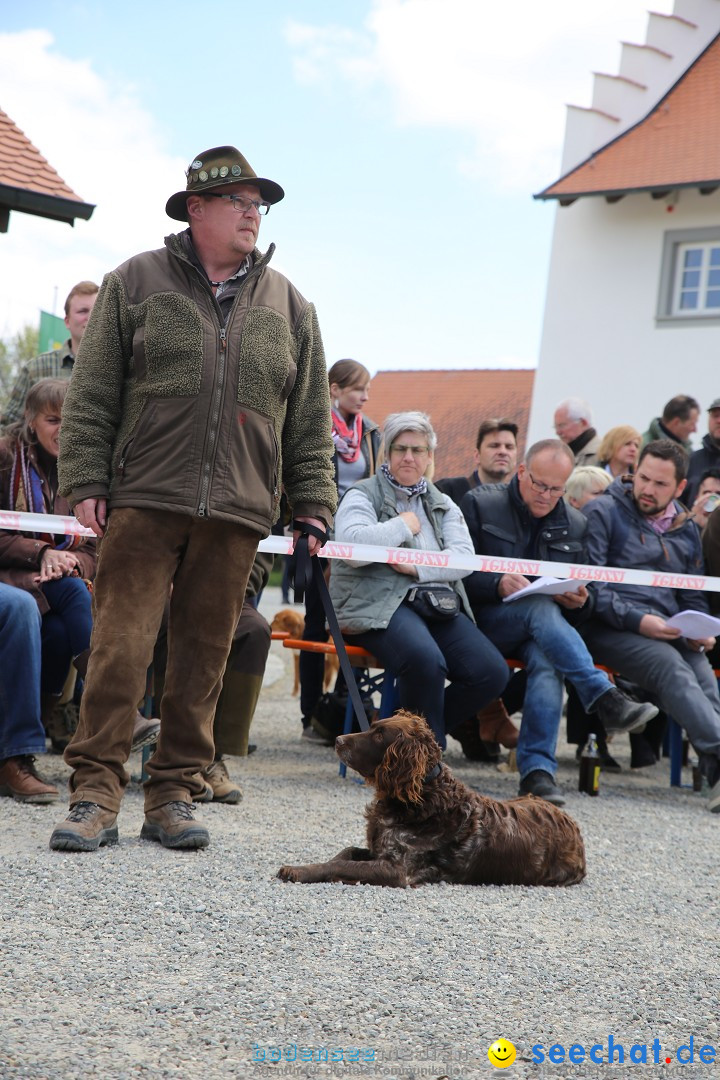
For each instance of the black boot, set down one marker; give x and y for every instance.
(619, 714)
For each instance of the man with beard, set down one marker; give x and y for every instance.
(639, 523)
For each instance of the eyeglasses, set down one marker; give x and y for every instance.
(241, 204)
(416, 451)
(545, 489)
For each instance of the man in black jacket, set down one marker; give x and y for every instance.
(495, 459)
(528, 521)
(707, 457)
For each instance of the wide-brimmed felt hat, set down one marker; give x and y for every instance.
(213, 169)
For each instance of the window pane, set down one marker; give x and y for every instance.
(691, 279)
(714, 277)
(693, 257)
(715, 256)
(713, 299)
(688, 301)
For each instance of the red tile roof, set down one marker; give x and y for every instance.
(457, 402)
(675, 145)
(29, 184)
(23, 166)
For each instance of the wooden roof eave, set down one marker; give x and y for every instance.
(47, 206)
(657, 191)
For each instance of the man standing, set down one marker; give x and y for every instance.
(495, 459)
(199, 390)
(707, 457)
(528, 519)
(677, 423)
(639, 524)
(58, 363)
(573, 424)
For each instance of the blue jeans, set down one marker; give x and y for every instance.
(20, 729)
(423, 655)
(66, 629)
(535, 631)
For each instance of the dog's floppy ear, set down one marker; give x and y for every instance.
(402, 770)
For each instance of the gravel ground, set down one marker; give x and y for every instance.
(139, 962)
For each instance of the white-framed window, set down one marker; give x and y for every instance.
(697, 279)
(690, 277)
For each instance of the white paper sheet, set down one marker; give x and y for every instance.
(695, 625)
(547, 586)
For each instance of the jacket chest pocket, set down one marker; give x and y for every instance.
(570, 548)
(499, 534)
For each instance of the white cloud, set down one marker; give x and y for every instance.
(106, 147)
(498, 72)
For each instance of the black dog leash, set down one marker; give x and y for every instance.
(305, 568)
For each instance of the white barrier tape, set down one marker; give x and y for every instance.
(370, 553)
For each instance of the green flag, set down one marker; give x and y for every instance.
(53, 332)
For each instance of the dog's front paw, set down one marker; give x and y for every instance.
(289, 873)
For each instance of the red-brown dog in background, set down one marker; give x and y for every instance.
(293, 623)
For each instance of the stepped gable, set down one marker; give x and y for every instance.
(675, 145)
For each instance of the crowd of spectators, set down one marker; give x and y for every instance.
(617, 499)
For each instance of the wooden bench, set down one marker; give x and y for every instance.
(384, 683)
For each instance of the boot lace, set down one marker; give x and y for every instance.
(26, 765)
(183, 810)
(218, 769)
(82, 810)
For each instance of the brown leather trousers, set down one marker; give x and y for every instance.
(143, 554)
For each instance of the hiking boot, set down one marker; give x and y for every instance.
(495, 726)
(86, 828)
(618, 713)
(542, 785)
(208, 794)
(223, 789)
(19, 780)
(145, 732)
(174, 826)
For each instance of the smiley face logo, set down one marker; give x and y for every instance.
(501, 1053)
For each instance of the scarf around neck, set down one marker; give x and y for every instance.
(418, 488)
(346, 438)
(26, 496)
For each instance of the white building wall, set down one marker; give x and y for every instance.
(601, 340)
(600, 337)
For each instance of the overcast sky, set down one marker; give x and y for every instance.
(409, 136)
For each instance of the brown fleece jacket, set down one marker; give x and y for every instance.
(169, 409)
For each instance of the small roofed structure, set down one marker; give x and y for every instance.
(675, 146)
(29, 184)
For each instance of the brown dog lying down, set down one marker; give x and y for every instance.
(425, 826)
(293, 623)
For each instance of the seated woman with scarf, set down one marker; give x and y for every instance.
(414, 618)
(55, 569)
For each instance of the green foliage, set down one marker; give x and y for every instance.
(14, 352)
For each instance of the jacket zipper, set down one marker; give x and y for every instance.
(214, 420)
(202, 510)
